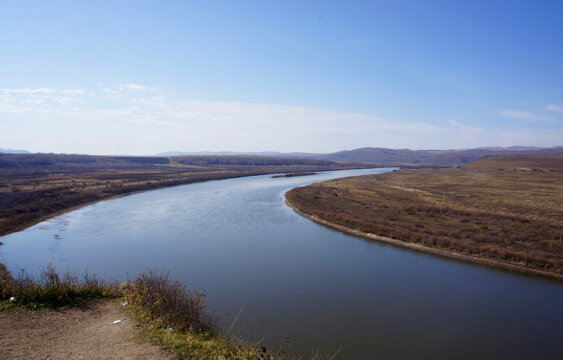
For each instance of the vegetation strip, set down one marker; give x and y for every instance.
(504, 211)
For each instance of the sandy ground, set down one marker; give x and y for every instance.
(87, 332)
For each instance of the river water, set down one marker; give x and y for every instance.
(236, 241)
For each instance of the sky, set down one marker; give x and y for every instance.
(143, 77)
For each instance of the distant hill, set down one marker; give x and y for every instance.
(519, 162)
(234, 153)
(382, 155)
(430, 157)
(390, 156)
(11, 151)
(220, 160)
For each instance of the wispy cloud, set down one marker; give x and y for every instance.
(461, 135)
(133, 118)
(464, 127)
(554, 107)
(125, 91)
(28, 91)
(73, 92)
(39, 99)
(134, 87)
(150, 112)
(524, 115)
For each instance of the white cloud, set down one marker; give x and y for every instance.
(524, 115)
(125, 92)
(139, 119)
(134, 87)
(157, 122)
(463, 136)
(39, 99)
(63, 100)
(29, 91)
(556, 108)
(9, 108)
(466, 128)
(34, 101)
(73, 92)
(195, 125)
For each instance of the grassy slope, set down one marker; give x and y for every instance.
(172, 316)
(506, 208)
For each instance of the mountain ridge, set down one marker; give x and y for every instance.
(454, 157)
(12, 151)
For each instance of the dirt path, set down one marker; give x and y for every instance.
(79, 333)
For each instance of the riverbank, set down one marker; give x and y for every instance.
(500, 211)
(426, 249)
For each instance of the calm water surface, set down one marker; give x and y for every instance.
(239, 243)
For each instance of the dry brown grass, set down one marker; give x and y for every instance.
(171, 302)
(51, 290)
(505, 208)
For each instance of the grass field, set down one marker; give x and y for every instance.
(505, 208)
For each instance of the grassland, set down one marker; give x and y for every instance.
(34, 187)
(504, 210)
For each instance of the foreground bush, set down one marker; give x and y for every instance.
(51, 290)
(176, 318)
(170, 302)
(6, 282)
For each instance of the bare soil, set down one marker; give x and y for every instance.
(86, 332)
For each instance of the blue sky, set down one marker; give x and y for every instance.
(141, 77)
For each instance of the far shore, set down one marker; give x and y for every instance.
(21, 227)
(447, 254)
(39, 219)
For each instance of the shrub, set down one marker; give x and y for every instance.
(170, 301)
(6, 282)
(52, 290)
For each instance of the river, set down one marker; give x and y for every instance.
(237, 241)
